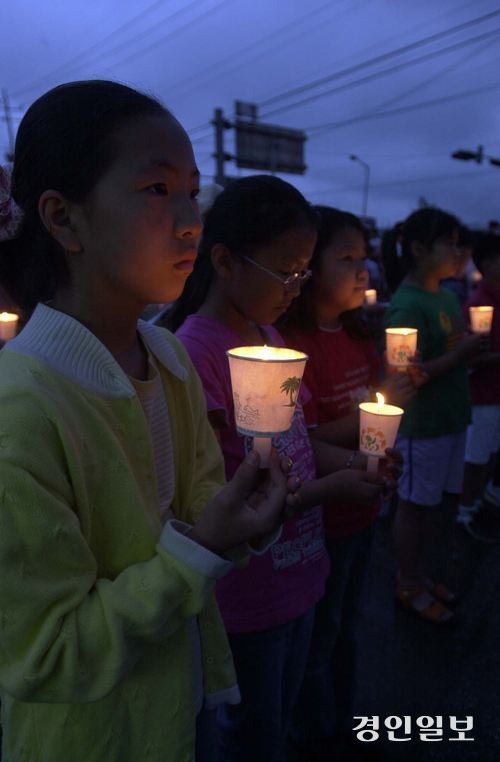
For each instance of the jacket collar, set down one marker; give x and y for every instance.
(70, 348)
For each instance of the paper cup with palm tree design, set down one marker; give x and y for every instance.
(266, 383)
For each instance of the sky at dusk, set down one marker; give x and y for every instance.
(333, 69)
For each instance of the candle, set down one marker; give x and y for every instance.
(379, 424)
(371, 296)
(8, 325)
(476, 276)
(266, 383)
(481, 319)
(401, 343)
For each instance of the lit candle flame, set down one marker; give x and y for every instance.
(7, 317)
(265, 352)
(380, 400)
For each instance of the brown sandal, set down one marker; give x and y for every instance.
(433, 611)
(441, 591)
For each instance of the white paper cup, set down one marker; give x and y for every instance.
(371, 296)
(401, 343)
(481, 319)
(378, 428)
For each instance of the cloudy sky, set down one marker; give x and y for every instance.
(399, 84)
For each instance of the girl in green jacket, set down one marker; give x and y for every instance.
(115, 524)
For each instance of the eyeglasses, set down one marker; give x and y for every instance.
(286, 282)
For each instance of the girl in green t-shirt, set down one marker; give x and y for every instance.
(432, 432)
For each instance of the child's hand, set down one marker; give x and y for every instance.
(250, 506)
(398, 389)
(473, 344)
(392, 468)
(358, 487)
(416, 370)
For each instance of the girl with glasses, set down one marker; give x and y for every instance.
(254, 256)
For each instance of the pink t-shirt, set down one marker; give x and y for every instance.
(282, 583)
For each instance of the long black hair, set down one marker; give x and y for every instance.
(65, 142)
(250, 213)
(301, 313)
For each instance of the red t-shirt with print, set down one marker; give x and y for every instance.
(338, 375)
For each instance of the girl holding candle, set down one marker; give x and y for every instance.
(116, 523)
(258, 240)
(326, 323)
(483, 435)
(433, 428)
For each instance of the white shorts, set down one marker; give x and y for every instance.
(432, 466)
(483, 435)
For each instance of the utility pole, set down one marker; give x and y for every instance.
(220, 124)
(8, 119)
(367, 182)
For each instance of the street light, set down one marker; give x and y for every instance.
(477, 156)
(367, 182)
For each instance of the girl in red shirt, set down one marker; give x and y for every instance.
(325, 321)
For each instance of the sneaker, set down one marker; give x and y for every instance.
(467, 512)
(484, 526)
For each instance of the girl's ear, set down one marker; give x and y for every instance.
(222, 261)
(418, 250)
(55, 213)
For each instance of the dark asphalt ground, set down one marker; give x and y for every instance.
(410, 667)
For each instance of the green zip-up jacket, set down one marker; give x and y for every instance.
(95, 594)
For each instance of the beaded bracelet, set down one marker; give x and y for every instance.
(350, 461)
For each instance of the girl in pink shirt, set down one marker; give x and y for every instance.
(258, 240)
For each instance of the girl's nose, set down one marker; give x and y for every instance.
(188, 221)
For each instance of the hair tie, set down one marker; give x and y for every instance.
(11, 215)
(206, 198)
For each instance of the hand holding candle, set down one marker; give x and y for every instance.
(266, 383)
(379, 424)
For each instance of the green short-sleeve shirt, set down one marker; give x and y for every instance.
(441, 406)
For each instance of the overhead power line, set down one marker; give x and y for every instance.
(190, 24)
(385, 72)
(405, 181)
(396, 98)
(433, 78)
(199, 80)
(314, 132)
(379, 59)
(374, 46)
(153, 45)
(67, 66)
